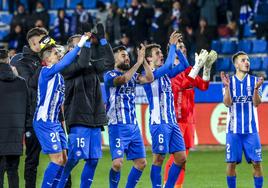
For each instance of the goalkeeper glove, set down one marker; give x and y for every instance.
(200, 60)
(212, 57)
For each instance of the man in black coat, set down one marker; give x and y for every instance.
(28, 66)
(84, 108)
(13, 112)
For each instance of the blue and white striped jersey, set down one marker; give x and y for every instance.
(120, 99)
(50, 93)
(242, 116)
(161, 101)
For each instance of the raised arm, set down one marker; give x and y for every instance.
(227, 99)
(148, 77)
(174, 38)
(69, 57)
(184, 64)
(257, 92)
(121, 80)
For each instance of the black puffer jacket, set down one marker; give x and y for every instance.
(83, 103)
(13, 111)
(28, 67)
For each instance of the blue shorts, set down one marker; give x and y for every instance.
(126, 139)
(237, 143)
(84, 143)
(166, 138)
(51, 137)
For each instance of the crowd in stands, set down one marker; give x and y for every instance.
(130, 22)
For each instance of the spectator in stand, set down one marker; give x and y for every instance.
(102, 13)
(16, 38)
(61, 29)
(39, 23)
(11, 4)
(139, 15)
(202, 36)
(125, 41)
(40, 13)
(190, 14)
(80, 17)
(159, 26)
(208, 10)
(246, 16)
(174, 16)
(13, 112)
(20, 17)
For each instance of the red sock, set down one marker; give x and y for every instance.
(167, 167)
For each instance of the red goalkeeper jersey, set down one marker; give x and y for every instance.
(183, 91)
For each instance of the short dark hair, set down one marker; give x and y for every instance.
(148, 49)
(234, 57)
(119, 48)
(36, 31)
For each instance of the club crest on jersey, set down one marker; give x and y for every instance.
(55, 146)
(78, 153)
(119, 152)
(161, 148)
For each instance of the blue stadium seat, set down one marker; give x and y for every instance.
(56, 4)
(245, 45)
(89, 4)
(52, 16)
(5, 18)
(265, 63)
(255, 63)
(71, 4)
(223, 64)
(259, 46)
(216, 45)
(247, 31)
(3, 33)
(228, 47)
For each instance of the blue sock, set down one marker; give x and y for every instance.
(133, 177)
(66, 172)
(231, 181)
(156, 176)
(50, 174)
(258, 182)
(57, 178)
(88, 173)
(173, 175)
(114, 178)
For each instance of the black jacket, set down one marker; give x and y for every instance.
(13, 111)
(28, 67)
(83, 103)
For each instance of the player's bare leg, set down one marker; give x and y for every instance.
(140, 163)
(258, 174)
(231, 175)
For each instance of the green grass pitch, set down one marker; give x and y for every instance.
(205, 169)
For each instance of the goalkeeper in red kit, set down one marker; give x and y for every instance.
(183, 90)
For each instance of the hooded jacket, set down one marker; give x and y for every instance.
(83, 103)
(13, 111)
(28, 65)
